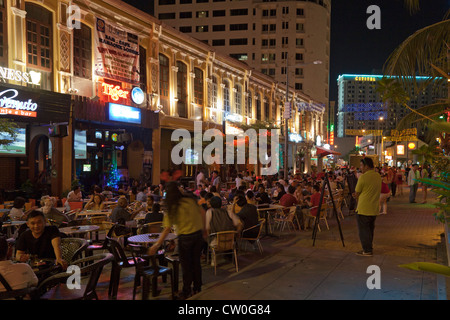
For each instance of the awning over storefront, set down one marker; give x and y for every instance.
(322, 152)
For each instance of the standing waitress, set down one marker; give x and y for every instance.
(184, 214)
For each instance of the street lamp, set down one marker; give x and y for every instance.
(287, 105)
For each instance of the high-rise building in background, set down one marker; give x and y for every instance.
(267, 35)
(360, 107)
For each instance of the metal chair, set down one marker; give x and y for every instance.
(55, 287)
(259, 227)
(152, 227)
(226, 244)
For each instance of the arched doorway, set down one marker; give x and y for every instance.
(40, 162)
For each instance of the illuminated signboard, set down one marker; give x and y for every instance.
(331, 141)
(295, 137)
(137, 95)
(11, 106)
(365, 79)
(122, 113)
(411, 145)
(115, 92)
(400, 150)
(31, 77)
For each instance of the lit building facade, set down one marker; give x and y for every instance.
(104, 85)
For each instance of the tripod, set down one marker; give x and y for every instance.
(326, 183)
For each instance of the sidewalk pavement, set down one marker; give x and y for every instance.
(291, 268)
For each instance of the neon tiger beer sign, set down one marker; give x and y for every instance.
(114, 91)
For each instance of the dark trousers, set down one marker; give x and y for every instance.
(190, 249)
(393, 188)
(413, 192)
(366, 228)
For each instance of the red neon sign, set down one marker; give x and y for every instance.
(115, 92)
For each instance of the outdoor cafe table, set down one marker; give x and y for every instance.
(88, 213)
(148, 238)
(11, 225)
(79, 230)
(270, 209)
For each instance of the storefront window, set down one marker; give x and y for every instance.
(226, 96)
(214, 92)
(258, 107)
(249, 106)
(198, 86)
(143, 68)
(82, 52)
(238, 98)
(164, 82)
(266, 109)
(182, 89)
(39, 42)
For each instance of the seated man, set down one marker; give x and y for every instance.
(262, 196)
(17, 275)
(312, 208)
(218, 219)
(40, 240)
(289, 200)
(248, 215)
(120, 213)
(53, 215)
(153, 214)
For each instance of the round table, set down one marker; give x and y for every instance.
(79, 229)
(11, 225)
(149, 238)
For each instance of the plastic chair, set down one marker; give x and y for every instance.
(258, 226)
(148, 273)
(226, 244)
(72, 248)
(121, 261)
(55, 288)
(75, 205)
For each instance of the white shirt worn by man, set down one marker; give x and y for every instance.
(411, 176)
(18, 275)
(200, 177)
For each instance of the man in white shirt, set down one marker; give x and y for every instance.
(17, 275)
(200, 179)
(238, 180)
(413, 184)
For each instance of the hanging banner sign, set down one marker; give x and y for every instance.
(116, 53)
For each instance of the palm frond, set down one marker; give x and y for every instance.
(431, 110)
(417, 54)
(413, 6)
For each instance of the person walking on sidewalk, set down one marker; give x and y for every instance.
(413, 184)
(367, 194)
(425, 175)
(385, 193)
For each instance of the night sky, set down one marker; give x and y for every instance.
(355, 48)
